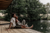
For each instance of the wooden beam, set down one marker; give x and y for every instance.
(4, 4)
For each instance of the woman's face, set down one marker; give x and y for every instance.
(14, 15)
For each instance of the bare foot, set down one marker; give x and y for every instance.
(31, 26)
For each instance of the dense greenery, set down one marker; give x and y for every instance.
(2, 11)
(30, 9)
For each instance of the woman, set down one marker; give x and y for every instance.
(22, 26)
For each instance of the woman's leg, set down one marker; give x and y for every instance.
(26, 27)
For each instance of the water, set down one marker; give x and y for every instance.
(42, 25)
(47, 23)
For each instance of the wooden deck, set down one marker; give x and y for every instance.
(4, 25)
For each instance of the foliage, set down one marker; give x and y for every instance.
(1, 17)
(32, 8)
(2, 11)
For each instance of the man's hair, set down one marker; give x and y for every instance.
(13, 14)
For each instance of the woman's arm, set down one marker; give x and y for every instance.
(16, 17)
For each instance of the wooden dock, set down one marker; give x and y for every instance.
(5, 24)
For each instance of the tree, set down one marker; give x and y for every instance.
(34, 8)
(47, 9)
(18, 7)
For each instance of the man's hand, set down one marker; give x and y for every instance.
(7, 29)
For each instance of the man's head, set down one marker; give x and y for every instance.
(13, 15)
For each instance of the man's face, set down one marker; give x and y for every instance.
(14, 15)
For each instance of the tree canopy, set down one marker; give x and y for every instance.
(29, 8)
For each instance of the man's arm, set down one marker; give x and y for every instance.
(10, 25)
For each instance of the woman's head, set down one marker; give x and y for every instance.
(13, 15)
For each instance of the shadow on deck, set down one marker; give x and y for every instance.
(5, 24)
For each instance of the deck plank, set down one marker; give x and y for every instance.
(23, 31)
(0, 29)
(17, 31)
(1, 22)
(11, 30)
(31, 31)
(4, 29)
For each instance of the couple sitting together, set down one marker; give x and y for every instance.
(14, 20)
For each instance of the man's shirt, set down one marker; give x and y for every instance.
(13, 22)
